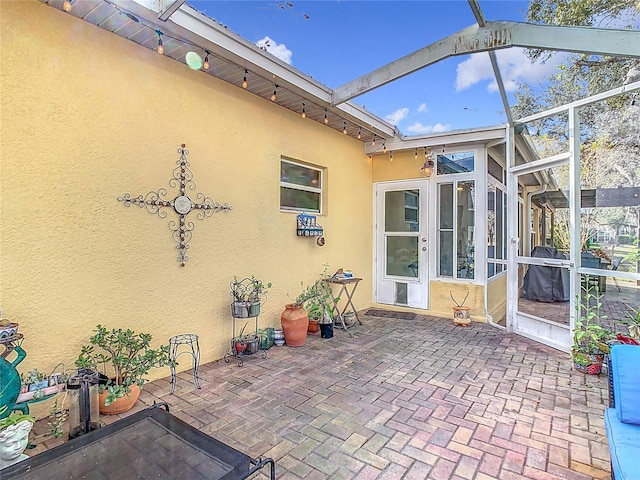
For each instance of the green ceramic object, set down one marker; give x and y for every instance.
(10, 381)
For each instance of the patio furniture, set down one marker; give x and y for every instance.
(151, 443)
(190, 340)
(347, 287)
(622, 419)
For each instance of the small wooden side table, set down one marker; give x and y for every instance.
(347, 287)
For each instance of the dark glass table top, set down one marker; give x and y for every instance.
(148, 444)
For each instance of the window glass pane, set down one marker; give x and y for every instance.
(446, 205)
(491, 269)
(299, 200)
(494, 169)
(465, 229)
(445, 266)
(455, 163)
(400, 216)
(491, 221)
(500, 227)
(299, 175)
(402, 256)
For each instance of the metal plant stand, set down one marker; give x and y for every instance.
(251, 349)
(191, 341)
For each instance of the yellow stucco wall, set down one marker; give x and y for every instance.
(402, 166)
(88, 116)
(497, 298)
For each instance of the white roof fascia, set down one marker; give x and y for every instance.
(168, 10)
(493, 36)
(455, 137)
(194, 26)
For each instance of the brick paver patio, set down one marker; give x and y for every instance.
(405, 399)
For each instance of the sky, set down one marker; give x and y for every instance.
(337, 41)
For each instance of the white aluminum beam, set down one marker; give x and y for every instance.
(494, 36)
(168, 11)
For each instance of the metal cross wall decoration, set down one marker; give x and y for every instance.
(156, 202)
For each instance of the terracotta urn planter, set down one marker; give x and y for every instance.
(295, 324)
(121, 405)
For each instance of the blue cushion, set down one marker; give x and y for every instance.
(624, 445)
(625, 366)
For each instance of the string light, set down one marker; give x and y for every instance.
(275, 93)
(344, 128)
(66, 6)
(373, 144)
(160, 47)
(244, 79)
(384, 147)
(206, 60)
(390, 156)
(416, 154)
(326, 119)
(360, 133)
(304, 113)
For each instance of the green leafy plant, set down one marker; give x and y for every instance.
(57, 416)
(13, 418)
(126, 358)
(633, 322)
(249, 289)
(589, 335)
(318, 299)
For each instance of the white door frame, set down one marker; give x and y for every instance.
(384, 285)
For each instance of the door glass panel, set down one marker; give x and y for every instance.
(402, 256)
(466, 229)
(544, 290)
(446, 254)
(402, 211)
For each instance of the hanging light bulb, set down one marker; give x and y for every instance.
(360, 133)
(304, 113)
(373, 144)
(244, 79)
(390, 156)
(160, 48)
(344, 128)
(206, 61)
(275, 93)
(66, 6)
(416, 154)
(326, 119)
(384, 147)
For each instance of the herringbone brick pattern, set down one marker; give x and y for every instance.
(405, 399)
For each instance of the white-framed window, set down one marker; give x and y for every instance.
(411, 207)
(455, 162)
(301, 187)
(456, 229)
(496, 228)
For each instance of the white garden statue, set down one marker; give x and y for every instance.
(13, 441)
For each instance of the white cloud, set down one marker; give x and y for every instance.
(514, 65)
(423, 108)
(277, 50)
(420, 128)
(395, 117)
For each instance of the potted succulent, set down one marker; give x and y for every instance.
(246, 343)
(461, 315)
(248, 294)
(14, 436)
(126, 357)
(589, 336)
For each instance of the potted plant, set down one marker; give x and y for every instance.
(246, 343)
(248, 294)
(14, 436)
(633, 322)
(319, 304)
(589, 336)
(461, 315)
(126, 358)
